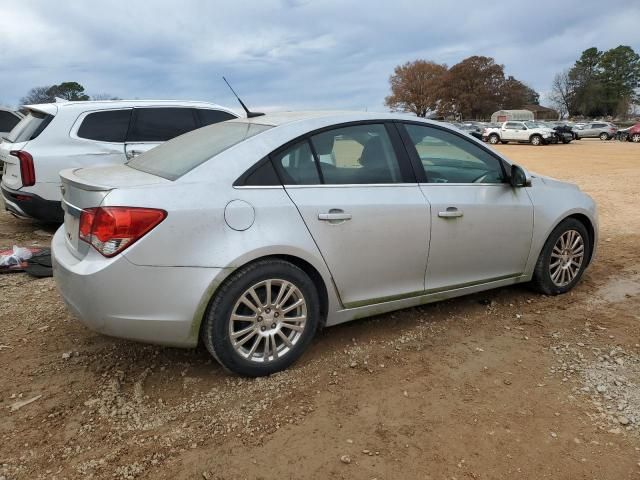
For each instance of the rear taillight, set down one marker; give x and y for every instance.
(110, 230)
(27, 171)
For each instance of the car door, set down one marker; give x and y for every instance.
(356, 192)
(481, 227)
(589, 131)
(151, 126)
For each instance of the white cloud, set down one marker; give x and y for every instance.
(290, 53)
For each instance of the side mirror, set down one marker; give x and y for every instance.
(519, 177)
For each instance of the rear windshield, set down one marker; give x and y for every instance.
(176, 157)
(29, 127)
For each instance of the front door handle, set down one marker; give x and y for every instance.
(451, 212)
(334, 215)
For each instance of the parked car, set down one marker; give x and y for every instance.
(601, 130)
(251, 234)
(522, 132)
(55, 136)
(633, 133)
(8, 119)
(564, 133)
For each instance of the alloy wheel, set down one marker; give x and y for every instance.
(635, 138)
(566, 258)
(268, 320)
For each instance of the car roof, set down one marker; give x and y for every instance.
(53, 108)
(329, 117)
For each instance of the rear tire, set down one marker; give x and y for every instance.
(262, 318)
(563, 258)
(536, 140)
(604, 136)
(494, 139)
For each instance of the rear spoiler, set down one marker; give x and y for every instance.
(46, 108)
(69, 177)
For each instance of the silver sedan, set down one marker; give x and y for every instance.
(250, 235)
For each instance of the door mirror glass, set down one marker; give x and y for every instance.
(520, 177)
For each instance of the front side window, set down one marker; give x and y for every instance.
(449, 158)
(359, 154)
(106, 126)
(161, 124)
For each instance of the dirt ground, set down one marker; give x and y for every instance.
(500, 385)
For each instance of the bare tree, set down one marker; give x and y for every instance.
(561, 95)
(415, 87)
(104, 96)
(37, 95)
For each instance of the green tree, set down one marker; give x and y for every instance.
(586, 88)
(619, 77)
(69, 91)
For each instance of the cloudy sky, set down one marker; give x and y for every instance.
(290, 54)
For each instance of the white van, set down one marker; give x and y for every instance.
(55, 136)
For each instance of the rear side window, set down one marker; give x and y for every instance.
(209, 117)
(173, 159)
(297, 165)
(29, 127)
(359, 154)
(7, 121)
(107, 126)
(161, 124)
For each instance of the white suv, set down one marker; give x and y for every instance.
(55, 136)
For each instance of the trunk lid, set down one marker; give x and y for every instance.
(88, 187)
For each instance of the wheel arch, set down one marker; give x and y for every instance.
(588, 224)
(321, 282)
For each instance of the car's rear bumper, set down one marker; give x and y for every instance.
(161, 305)
(30, 205)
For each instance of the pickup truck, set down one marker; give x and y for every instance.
(525, 132)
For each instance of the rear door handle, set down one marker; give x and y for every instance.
(334, 215)
(451, 212)
(134, 153)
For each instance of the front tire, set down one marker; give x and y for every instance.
(563, 259)
(604, 136)
(635, 138)
(262, 318)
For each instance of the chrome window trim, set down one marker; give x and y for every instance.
(352, 185)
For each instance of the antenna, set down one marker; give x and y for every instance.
(249, 113)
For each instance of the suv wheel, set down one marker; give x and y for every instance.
(262, 318)
(563, 259)
(536, 140)
(494, 139)
(604, 136)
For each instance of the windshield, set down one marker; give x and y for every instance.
(176, 157)
(29, 127)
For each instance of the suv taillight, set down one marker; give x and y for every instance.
(27, 171)
(110, 230)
